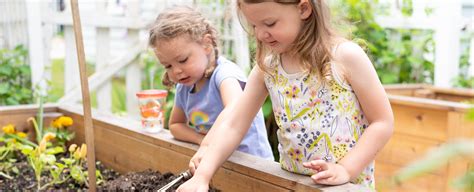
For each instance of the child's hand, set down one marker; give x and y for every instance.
(328, 173)
(196, 159)
(194, 184)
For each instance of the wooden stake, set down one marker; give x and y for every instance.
(88, 127)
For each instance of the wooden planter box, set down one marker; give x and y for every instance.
(425, 117)
(119, 144)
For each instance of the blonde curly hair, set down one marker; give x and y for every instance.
(183, 20)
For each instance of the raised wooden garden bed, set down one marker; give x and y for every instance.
(120, 145)
(425, 116)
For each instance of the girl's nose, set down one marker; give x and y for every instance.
(177, 70)
(262, 34)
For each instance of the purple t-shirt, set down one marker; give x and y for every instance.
(203, 108)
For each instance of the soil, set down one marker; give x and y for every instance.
(147, 180)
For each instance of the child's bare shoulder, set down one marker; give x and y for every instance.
(349, 51)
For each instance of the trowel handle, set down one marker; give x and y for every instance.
(186, 175)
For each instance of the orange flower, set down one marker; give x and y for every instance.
(62, 122)
(10, 128)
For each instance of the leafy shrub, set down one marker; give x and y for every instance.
(15, 77)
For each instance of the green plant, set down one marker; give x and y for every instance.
(41, 157)
(464, 79)
(398, 54)
(15, 77)
(7, 151)
(60, 128)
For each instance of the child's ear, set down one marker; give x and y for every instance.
(207, 43)
(305, 9)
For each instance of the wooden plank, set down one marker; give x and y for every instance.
(429, 103)
(427, 182)
(403, 149)
(420, 122)
(134, 153)
(18, 115)
(459, 127)
(125, 153)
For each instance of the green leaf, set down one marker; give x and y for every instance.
(4, 88)
(54, 150)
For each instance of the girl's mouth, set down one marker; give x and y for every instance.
(184, 80)
(272, 44)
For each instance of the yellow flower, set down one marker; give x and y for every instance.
(10, 128)
(72, 147)
(21, 134)
(83, 151)
(67, 121)
(62, 121)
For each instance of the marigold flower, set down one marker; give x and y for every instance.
(62, 122)
(21, 134)
(72, 147)
(10, 128)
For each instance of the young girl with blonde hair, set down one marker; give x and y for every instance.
(332, 111)
(185, 43)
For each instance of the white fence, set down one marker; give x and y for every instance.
(115, 33)
(447, 22)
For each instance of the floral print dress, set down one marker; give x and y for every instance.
(316, 120)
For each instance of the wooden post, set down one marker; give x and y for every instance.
(241, 41)
(104, 91)
(35, 41)
(447, 39)
(85, 96)
(133, 74)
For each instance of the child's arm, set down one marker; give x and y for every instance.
(230, 91)
(371, 95)
(179, 127)
(231, 131)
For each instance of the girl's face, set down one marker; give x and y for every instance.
(276, 25)
(184, 59)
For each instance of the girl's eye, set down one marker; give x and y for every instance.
(167, 66)
(183, 61)
(270, 24)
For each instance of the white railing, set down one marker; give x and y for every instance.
(13, 23)
(132, 19)
(446, 22)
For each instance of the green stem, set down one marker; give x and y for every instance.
(5, 154)
(6, 175)
(39, 131)
(26, 141)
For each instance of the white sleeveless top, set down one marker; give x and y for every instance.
(316, 120)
